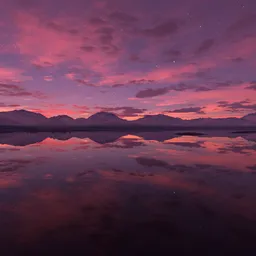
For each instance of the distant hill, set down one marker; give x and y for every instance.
(105, 119)
(250, 118)
(60, 120)
(161, 120)
(22, 117)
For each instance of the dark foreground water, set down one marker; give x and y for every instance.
(120, 194)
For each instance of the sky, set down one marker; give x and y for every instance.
(183, 58)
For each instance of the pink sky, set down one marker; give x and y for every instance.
(184, 58)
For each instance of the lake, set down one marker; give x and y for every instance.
(108, 193)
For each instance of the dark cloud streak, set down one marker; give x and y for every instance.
(237, 106)
(197, 110)
(149, 93)
(11, 90)
(162, 30)
(205, 46)
(123, 111)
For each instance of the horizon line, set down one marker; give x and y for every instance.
(36, 112)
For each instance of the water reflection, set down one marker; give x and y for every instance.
(122, 194)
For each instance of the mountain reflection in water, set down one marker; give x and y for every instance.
(108, 193)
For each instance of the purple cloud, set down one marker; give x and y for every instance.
(245, 22)
(162, 30)
(238, 59)
(141, 81)
(252, 86)
(97, 21)
(149, 93)
(205, 46)
(123, 111)
(122, 17)
(87, 48)
(197, 110)
(11, 90)
(3, 105)
(62, 29)
(237, 106)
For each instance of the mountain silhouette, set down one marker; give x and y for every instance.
(154, 120)
(60, 120)
(106, 119)
(21, 117)
(250, 118)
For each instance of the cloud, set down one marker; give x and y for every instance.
(238, 59)
(118, 85)
(237, 106)
(152, 162)
(52, 42)
(197, 110)
(97, 21)
(162, 30)
(187, 144)
(84, 82)
(106, 35)
(237, 148)
(253, 168)
(252, 86)
(180, 87)
(149, 93)
(11, 90)
(48, 78)
(80, 107)
(134, 82)
(87, 48)
(203, 89)
(136, 58)
(244, 23)
(8, 74)
(13, 165)
(4, 105)
(124, 111)
(172, 53)
(110, 49)
(194, 73)
(122, 17)
(80, 76)
(62, 29)
(43, 64)
(205, 46)
(141, 81)
(217, 86)
(125, 143)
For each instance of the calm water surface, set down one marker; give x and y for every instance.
(122, 194)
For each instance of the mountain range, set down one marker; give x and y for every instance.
(28, 118)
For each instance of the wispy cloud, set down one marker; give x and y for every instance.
(149, 93)
(123, 111)
(11, 90)
(197, 110)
